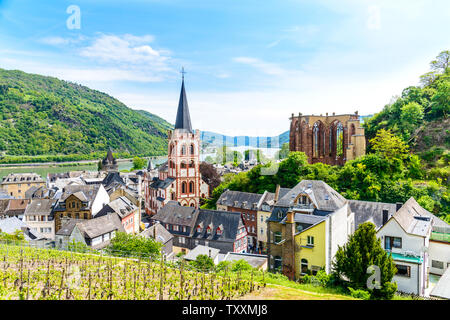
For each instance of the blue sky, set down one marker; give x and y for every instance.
(250, 64)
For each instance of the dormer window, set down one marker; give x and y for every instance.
(219, 231)
(199, 228)
(208, 230)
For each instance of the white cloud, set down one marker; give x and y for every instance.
(262, 66)
(127, 49)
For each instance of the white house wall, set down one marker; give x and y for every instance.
(439, 251)
(100, 200)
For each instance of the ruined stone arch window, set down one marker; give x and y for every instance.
(331, 140)
(316, 140)
(339, 140)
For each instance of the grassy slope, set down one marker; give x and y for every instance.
(45, 116)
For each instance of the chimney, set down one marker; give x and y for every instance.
(277, 193)
(385, 217)
(290, 217)
(398, 206)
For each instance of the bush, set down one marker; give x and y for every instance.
(359, 294)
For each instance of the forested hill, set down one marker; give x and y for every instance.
(42, 115)
(420, 115)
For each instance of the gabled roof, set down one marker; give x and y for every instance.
(238, 199)
(199, 250)
(122, 206)
(17, 206)
(413, 218)
(67, 227)
(40, 207)
(157, 232)
(183, 120)
(370, 211)
(231, 222)
(112, 177)
(10, 225)
(93, 228)
(321, 194)
(173, 213)
(255, 260)
(88, 192)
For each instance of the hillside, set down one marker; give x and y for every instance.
(42, 115)
(420, 115)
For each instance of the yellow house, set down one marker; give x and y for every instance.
(306, 227)
(16, 184)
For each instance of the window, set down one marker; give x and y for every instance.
(183, 150)
(199, 228)
(316, 140)
(339, 140)
(277, 236)
(310, 241)
(277, 262)
(175, 228)
(182, 240)
(262, 231)
(85, 215)
(403, 271)
(191, 187)
(183, 187)
(219, 231)
(183, 165)
(437, 264)
(208, 230)
(392, 242)
(192, 149)
(304, 266)
(192, 164)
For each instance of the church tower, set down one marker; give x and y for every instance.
(179, 178)
(184, 156)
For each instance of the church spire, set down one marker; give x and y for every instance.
(183, 120)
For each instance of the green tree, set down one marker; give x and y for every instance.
(138, 163)
(388, 145)
(411, 116)
(203, 263)
(362, 251)
(442, 61)
(284, 151)
(124, 244)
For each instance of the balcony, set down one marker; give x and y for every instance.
(406, 256)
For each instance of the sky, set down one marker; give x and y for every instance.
(250, 64)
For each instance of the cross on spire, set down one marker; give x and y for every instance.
(183, 72)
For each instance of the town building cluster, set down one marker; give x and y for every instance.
(293, 231)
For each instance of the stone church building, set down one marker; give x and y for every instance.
(179, 178)
(328, 139)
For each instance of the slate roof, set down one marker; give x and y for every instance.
(112, 177)
(321, 194)
(230, 222)
(413, 218)
(122, 206)
(109, 158)
(157, 232)
(238, 199)
(42, 207)
(198, 250)
(414, 207)
(22, 178)
(67, 227)
(370, 211)
(173, 213)
(161, 184)
(88, 192)
(10, 225)
(255, 260)
(98, 226)
(183, 120)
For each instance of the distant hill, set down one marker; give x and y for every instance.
(218, 140)
(42, 115)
